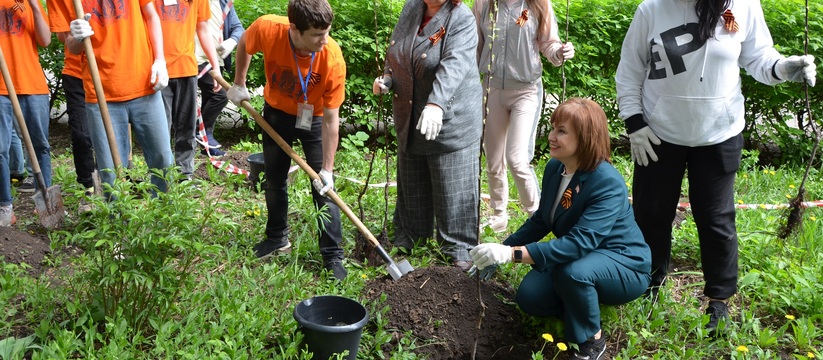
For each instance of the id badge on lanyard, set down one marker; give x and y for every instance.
(305, 114)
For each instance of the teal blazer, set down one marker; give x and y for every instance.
(596, 216)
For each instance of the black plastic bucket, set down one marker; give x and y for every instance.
(256, 168)
(331, 325)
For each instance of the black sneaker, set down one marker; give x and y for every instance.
(27, 186)
(267, 248)
(591, 349)
(216, 153)
(336, 268)
(718, 313)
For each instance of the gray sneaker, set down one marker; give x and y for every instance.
(27, 186)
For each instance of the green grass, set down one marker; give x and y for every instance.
(230, 306)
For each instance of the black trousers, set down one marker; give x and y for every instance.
(212, 102)
(711, 172)
(277, 164)
(81, 145)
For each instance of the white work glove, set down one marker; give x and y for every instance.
(642, 141)
(489, 254)
(381, 85)
(80, 28)
(431, 121)
(797, 69)
(226, 47)
(159, 75)
(326, 184)
(567, 51)
(237, 94)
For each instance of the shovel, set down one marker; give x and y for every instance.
(396, 270)
(47, 202)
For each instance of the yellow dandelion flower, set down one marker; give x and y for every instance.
(745, 176)
(790, 316)
(548, 337)
(364, 276)
(562, 347)
(762, 206)
(812, 218)
(810, 355)
(742, 349)
(248, 213)
(766, 171)
(791, 186)
(771, 172)
(788, 196)
(257, 212)
(740, 201)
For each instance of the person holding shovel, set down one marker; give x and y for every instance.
(679, 92)
(437, 109)
(24, 29)
(181, 20)
(597, 254)
(128, 45)
(305, 86)
(513, 34)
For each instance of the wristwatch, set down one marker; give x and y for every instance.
(518, 254)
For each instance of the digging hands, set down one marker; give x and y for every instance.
(431, 121)
(642, 141)
(80, 28)
(487, 258)
(238, 93)
(325, 183)
(381, 85)
(797, 69)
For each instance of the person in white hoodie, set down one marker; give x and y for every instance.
(512, 34)
(679, 92)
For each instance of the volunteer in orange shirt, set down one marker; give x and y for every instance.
(128, 45)
(179, 20)
(72, 80)
(23, 29)
(305, 86)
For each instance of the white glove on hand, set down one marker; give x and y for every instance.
(489, 254)
(642, 141)
(567, 51)
(237, 94)
(226, 47)
(431, 121)
(159, 75)
(483, 275)
(381, 85)
(80, 28)
(326, 184)
(797, 69)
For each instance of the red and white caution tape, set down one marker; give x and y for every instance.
(203, 140)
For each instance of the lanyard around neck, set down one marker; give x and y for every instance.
(304, 82)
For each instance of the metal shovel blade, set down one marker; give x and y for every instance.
(50, 208)
(397, 270)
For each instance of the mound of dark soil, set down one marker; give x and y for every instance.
(18, 247)
(442, 307)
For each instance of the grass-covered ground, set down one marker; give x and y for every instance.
(173, 277)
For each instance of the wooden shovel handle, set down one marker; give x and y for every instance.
(98, 89)
(21, 122)
(300, 162)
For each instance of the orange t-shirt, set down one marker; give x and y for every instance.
(121, 47)
(72, 63)
(270, 34)
(179, 25)
(19, 44)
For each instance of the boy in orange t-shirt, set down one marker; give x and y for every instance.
(128, 46)
(72, 81)
(24, 29)
(305, 86)
(179, 20)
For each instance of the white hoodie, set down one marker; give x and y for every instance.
(689, 92)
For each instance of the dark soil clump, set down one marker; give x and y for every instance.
(18, 247)
(442, 307)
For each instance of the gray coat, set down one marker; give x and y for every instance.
(443, 73)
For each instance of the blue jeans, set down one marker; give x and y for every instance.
(35, 110)
(150, 129)
(574, 291)
(17, 159)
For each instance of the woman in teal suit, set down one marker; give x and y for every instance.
(597, 255)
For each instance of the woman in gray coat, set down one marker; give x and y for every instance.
(431, 66)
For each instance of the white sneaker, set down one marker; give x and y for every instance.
(498, 223)
(7, 217)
